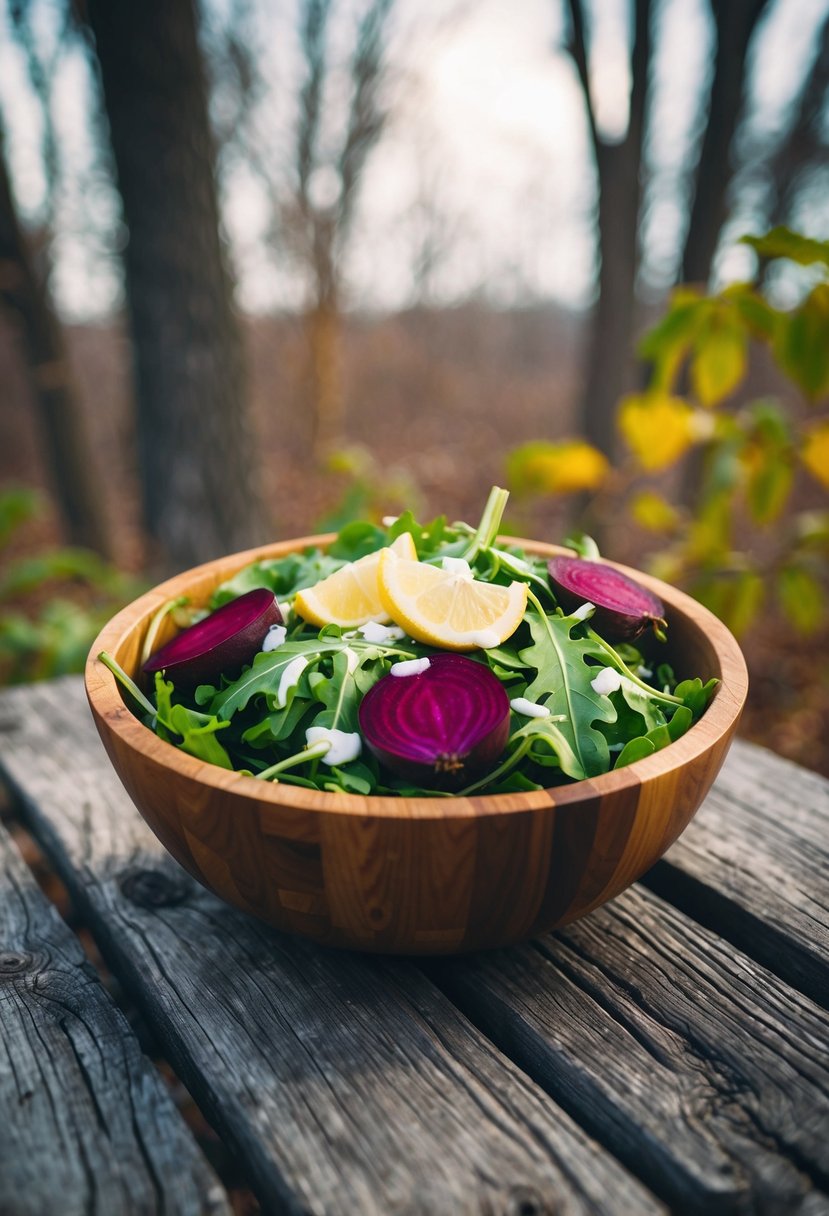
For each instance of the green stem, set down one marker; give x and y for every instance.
(490, 523)
(622, 667)
(127, 682)
(155, 625)
(504, 767)
(308, 753)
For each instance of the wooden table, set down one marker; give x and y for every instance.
(668, 1053)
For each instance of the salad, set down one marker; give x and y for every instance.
(417, 660)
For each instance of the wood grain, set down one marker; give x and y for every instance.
(87, 1125)
(344, 1084)
(754, 864)
(701, 1070)
(416, 875)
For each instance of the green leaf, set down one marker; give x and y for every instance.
(719, 360)
(18, 504)
(636, 749)
(356, 540)
(339, 695)
(562, 683)
(264, 676)
(755, 311)
(282, 575)
(802, 598)
(192, 731)
(669, 341)
(781, 242)
(695, 696)
(802, 344)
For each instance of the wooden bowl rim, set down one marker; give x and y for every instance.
(107, 705)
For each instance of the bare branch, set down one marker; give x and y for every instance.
(576, 47)
(802, 145)
(366, 117)
(313, 32)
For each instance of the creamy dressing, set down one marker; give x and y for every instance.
(344, 745)
(530, 709)
(458, 566)
(485, 638)
(274, 638)
(290, 679)
(409, 667)
(373, 631)
(608, 680)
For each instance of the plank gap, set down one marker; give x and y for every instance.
(223, 1161)
(759, 939)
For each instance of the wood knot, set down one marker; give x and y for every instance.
(154, 888)
(12, 962)
(524, 1202)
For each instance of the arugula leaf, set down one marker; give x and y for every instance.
(284, 576)
(357, 539)
(695, 694)
(339, 694)
(656, 739)
(562, 683)
(192, 731)
(265, 675)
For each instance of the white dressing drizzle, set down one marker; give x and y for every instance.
(409, 667)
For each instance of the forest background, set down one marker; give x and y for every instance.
(265, 267)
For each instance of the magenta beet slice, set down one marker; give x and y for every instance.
(624, 609)
(440, 728)
(221, 644)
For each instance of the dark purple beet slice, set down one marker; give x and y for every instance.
(624, 609)
(220, 644)
(440, 728)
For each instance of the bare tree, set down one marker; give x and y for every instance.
(713, 171)
(321, 226)
(803, 146)
(70, 458)
(735, 22)
(312, 183)
(196, 456)
(610, 366)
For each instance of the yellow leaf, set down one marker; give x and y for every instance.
(567, 467)
(719, 362)
(653, 512)
(658, 428)
(815, 453)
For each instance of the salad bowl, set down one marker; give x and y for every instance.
(415, 875)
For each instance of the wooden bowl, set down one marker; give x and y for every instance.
(415, 875)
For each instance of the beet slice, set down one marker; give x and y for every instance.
(624, 609)
(221, 644)
(441, 727)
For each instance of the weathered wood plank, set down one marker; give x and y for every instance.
(87, 1125)
(704, 1072)
(753, 865)
(345, 1084)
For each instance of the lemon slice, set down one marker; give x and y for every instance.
(446, 606)
(350, 596)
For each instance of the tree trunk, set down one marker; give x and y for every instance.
(735, 21)
(197, 467)
(327, 399)
(64, 433)
(611, 363)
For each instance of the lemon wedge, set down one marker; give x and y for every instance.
(446, 605)
(350, 597)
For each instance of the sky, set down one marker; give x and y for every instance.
(486, 157)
